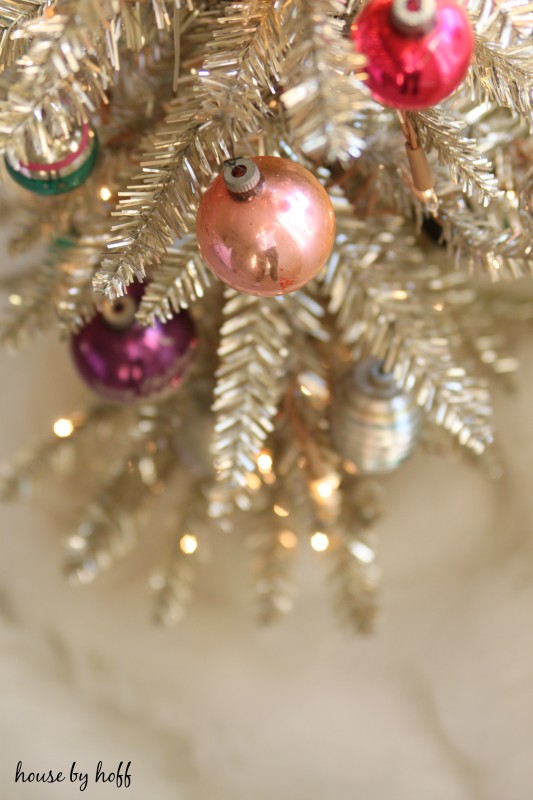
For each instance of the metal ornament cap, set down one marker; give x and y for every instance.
(120, 313)
(414, 17)
(373, 382)
(241, 176)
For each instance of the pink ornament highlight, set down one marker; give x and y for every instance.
(271, 231)
(418, 51)
(123, 361)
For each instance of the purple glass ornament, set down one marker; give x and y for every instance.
(124, 361)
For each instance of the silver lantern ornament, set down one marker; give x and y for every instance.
(374, 423)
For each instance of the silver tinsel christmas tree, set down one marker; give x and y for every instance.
(294, 404)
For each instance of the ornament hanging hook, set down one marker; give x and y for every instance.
(391, 353)
(421, 172)
(232, 138)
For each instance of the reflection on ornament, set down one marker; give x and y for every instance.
(417, 51)
(525, 199)
(374, 423)
(122, 360)
(66, 165)
(265, 226)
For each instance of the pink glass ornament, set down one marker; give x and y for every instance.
(412, 69)
(122, 360)
(272, 239)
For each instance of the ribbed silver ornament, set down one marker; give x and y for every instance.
(374, 423)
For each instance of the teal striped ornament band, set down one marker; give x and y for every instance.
(61, 177)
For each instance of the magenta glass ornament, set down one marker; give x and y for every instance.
(123, 361)
(271, 231)
(412, 66)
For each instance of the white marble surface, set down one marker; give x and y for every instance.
(438, 706)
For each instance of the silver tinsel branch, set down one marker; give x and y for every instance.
(181, 280)
(39, 93)
(263, 431)
(192, 140)
(326, 104)
(13, 16)
(173, 587)
(254, 355)
(503, 21)
(109, 530)
(60, 453)
(470, 169)
(504, 75)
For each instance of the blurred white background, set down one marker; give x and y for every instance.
(438, 705)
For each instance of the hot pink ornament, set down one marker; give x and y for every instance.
(418, 51)
(122, 360)
(265, 226)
